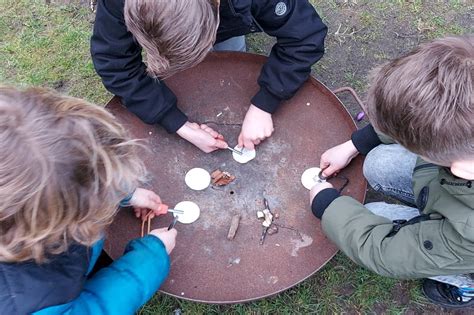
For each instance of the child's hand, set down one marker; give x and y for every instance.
(317, 189)
(144, 200)
(257, 126)
(202, 136)
(167, 237)
(338, 157)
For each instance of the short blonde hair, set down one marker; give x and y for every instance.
(175, 35)
(65, 165)
(425, 100)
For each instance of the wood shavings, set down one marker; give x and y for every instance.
(273, 229)
(234, 226)
(268, 218)
(267, 221)
(221, 178)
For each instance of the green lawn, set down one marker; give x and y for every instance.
(49, 46)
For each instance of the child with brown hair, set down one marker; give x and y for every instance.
(423, 102)
(178, 34)
(65, 165)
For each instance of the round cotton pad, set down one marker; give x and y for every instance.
(197, 179)
(191, 212)
(310, 177)
(246, 156)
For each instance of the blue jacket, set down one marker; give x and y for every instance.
(61, 286)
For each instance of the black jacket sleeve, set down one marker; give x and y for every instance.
(117, 59)
(365, 139)
(300, 35)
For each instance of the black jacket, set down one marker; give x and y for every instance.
(300, 37)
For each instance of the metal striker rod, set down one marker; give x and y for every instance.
(173, 223)
(235, 151)
(176, 211)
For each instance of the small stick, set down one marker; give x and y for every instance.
(145, 218)
(234, 225)
(290, 228)
(143, 228)
(149, 222)
(264, 234)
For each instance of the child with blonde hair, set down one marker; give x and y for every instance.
(65, 166)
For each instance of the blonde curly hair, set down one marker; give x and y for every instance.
(65, 165)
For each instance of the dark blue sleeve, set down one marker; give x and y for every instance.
(117, 59)
(300, 35)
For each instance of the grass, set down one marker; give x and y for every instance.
(49, 46)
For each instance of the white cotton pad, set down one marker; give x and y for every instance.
(246, 156)
(191, 212)
(197, 179)
(310, 177)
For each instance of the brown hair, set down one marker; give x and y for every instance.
(424, 100)
(175, 35)
(65, 165)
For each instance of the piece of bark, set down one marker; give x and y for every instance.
(220, 178)
(234, 225)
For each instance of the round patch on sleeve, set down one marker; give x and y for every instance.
(280, 8)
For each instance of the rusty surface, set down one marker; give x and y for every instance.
(353, 93)
(205, 266)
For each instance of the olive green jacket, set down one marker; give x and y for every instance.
(441, 244)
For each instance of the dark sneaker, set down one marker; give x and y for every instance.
(445, 295)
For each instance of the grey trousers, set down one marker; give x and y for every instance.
(389, 169)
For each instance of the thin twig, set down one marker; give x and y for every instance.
(149, 222)
(290, 228)
(143, 228)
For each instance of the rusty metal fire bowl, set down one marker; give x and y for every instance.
(205, 265)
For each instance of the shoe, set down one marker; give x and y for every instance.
(445, 295)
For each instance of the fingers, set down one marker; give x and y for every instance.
(173, 232)
(323, 163)
(330, 171)
(317, 189)
(220, 144)
(248, 144)
(240, 141)
(162, 209)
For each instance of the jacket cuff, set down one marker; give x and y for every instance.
(322, 200)
(173, 119)
(266, 101)
(365, 139)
